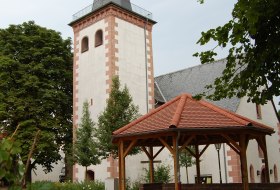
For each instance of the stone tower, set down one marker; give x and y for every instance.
(111, 37)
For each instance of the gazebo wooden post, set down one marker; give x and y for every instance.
(243, 158)
(151, 164)
(175, 159)
(197, 163)
(121, 166)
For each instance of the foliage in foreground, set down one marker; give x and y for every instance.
(253, 61)
(161, 174)
(11, 169)
(95, 185)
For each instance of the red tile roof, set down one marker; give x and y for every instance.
(184, 112)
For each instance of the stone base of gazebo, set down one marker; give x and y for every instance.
(231, 186)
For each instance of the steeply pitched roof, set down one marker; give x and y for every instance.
(193, 81)
(185, 113)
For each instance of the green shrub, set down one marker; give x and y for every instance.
(161, 174)
(42, 185)
(135, 185)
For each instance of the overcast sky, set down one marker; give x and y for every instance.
(179, 24)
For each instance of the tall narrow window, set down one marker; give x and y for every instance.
(258, 110)
(84, 46)
(98, 38)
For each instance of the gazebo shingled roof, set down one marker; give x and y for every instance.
(184, 121)
(186, 113)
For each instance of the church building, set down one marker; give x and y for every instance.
(114, 37)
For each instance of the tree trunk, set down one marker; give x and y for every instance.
(28, 177)
(86, 175)
(68, 169)
(187, 174)
(28, 165)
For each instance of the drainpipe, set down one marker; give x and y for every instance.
(225, 162)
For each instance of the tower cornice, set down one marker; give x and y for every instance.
(112, 9)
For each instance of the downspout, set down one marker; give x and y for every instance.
(225, 162)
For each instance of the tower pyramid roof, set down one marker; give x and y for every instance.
(123, 3)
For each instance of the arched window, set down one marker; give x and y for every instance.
(275, 173)
(90, 175)
(98, 38)
(252, 174)
(84, 46)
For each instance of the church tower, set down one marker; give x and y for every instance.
(111, 37)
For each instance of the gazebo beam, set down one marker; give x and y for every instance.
(131, 145)
(159, 151)
(231, 141)
(203, 150)
(191, 152)
(233, 148)
(166, 145)
(187, 143)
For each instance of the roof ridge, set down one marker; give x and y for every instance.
(178, 112)
(200, 65)
(145, 116)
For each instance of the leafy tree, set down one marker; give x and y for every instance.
(253, 62)
(86, 151)
(119, 111)
(36, 90)
(186, 160)
(11, 168)
(161, 174)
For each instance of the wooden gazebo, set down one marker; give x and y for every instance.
(184, 121)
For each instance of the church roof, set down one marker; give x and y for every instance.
(186, 114)
(193, 81)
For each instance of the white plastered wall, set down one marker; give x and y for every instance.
(131, 61)
(268, 118)
(92, 85)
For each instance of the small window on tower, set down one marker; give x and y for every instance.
(98, 38)
(84, 46)
(258, 110)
